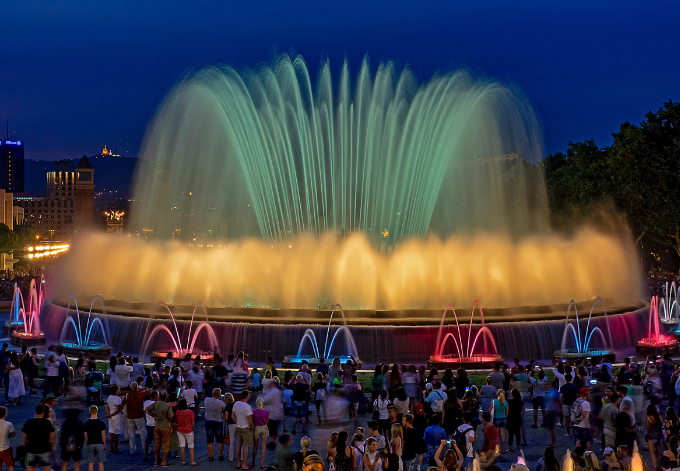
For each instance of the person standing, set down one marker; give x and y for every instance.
(260, 421)
(134, 400)
(568, 394)
(434, 435)
(6, 432)
(300, 388)
(71, 440)
(114, 412)
(162, 414)
(273, 401)
(52, 376)
(242, 414)
(95, 438)
(185, 430)
(466, 430)
(150, 424)
(16, 379)
(123, 372)
(580, 415)
(409, 447)
(514, 413)
(39, 437)
(214, 416)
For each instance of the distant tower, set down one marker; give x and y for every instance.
(12, 166)
(84, 207)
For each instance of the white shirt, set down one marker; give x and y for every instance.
(242, 410)
(5, 429)
(470, 452)
(123, 375)
(186, 365)
(113, 401)
(560, 377)
(169, 362)
(190, 396)
(62, 357)
(629, 408)
(150, 421)
(196, 378)
(52, 368)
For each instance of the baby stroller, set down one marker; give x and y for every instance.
(93, 384)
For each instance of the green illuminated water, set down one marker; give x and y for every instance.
(272, 153)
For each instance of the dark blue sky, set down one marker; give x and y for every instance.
(78, 75)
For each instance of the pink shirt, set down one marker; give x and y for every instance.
(185, 421)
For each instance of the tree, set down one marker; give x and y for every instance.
(8, 239)
(25, 236)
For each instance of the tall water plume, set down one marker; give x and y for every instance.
(265, 153)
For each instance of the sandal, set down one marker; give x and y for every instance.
(194, 463)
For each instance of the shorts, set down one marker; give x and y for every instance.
(34, 460)
(288, 411)
(75, 455)
(185, 438)
(566, 411)
(244, 436)
(261, 431)
(583, 434)
(273, 426)
(299, 409)
(214, 431)
(501, 422)
(550, 420)
(538, 402)
(7, 457)
(96, 453)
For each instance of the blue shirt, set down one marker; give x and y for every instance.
(434, 435)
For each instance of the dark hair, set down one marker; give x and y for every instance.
(284, 439)
(401, 394)
(245, 394)
(373, 424)
(383, 394)
(182, 404)
(342, 443)
(551, 463)
(112, 363)
(378, 370)
(568, 377)
(113, 389)
(467, 417)
(486, 416)
(3, 412)
(436, 419)
(189, 383)
(40, 409)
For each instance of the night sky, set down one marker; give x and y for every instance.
(78, 75)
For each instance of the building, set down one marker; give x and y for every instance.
(69, 205)
(12, 166)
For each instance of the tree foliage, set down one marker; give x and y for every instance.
(8, 239)
(638, 174)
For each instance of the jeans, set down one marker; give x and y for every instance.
(133, 426)
(467, 463)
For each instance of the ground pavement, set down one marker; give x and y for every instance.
(538, 439)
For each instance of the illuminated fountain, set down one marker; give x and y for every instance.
(179, 349)
(464, 355)
(656, 343)
(27, 332)
(84, 341)
(351, 352)
(583, 348)
(670, 309)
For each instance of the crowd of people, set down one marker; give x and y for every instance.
(415, 417)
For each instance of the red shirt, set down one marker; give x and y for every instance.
(185, 421)
(490, 438)
(135, 403)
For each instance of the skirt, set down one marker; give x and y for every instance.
(16, 384)
(116, 424)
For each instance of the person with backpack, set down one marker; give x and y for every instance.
(71, 439)
(319, 394)
(434, 435)
(579, 416)
(464, 437)
(436, 398)
(381, 413)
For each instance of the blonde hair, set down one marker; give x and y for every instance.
(332, 443)
(305, 443)
(260, 402)
(501, 397)
(228, 398)
(397, 431)
(93, 409)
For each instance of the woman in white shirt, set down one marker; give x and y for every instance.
(114, 411)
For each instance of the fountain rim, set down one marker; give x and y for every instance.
(415, 317)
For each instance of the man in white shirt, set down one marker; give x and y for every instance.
(627, 405)
(169, 361)
(470, 437)
(580, 413)
(6, 432)
(242, 414)
(150, 424)
(123, 373)
(189, 393)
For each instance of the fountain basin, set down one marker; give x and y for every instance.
(653, 346)
(475, 361)
(570, 355)
(10, 326)
(99, 350)
(29, 339)
(295, 361)
(207, 358)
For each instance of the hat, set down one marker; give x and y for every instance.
(428, 386)
(608, 451)
(420, 409)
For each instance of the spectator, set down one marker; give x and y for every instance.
(284, 456)
(568, 394)
(95, 439)
(71, 439)
(162, 414)
(300, 389)
(189, 394)
(52, 376)
(242, 414)
(134, 400)
(261, 432)
(372, 457)
(114, 412)
(490, 433)
(382, 406)
(434, 435)
(150, 424)
(319, 391)
(453, 459)
(230, 424)
(654, 434)
(374, 431)
(214, 419)
(185, 430)
(299, 457)
(514, 413)
(548, 462)
(498, 412)
(123, 371)
(39, 438)
(6, 432)
(343, 455)
(436, 398)
(16, 379)
(409, 449)
(466, 430)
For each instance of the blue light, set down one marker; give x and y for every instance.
(13, 143)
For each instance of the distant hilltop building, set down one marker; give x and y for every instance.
(69, 205)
